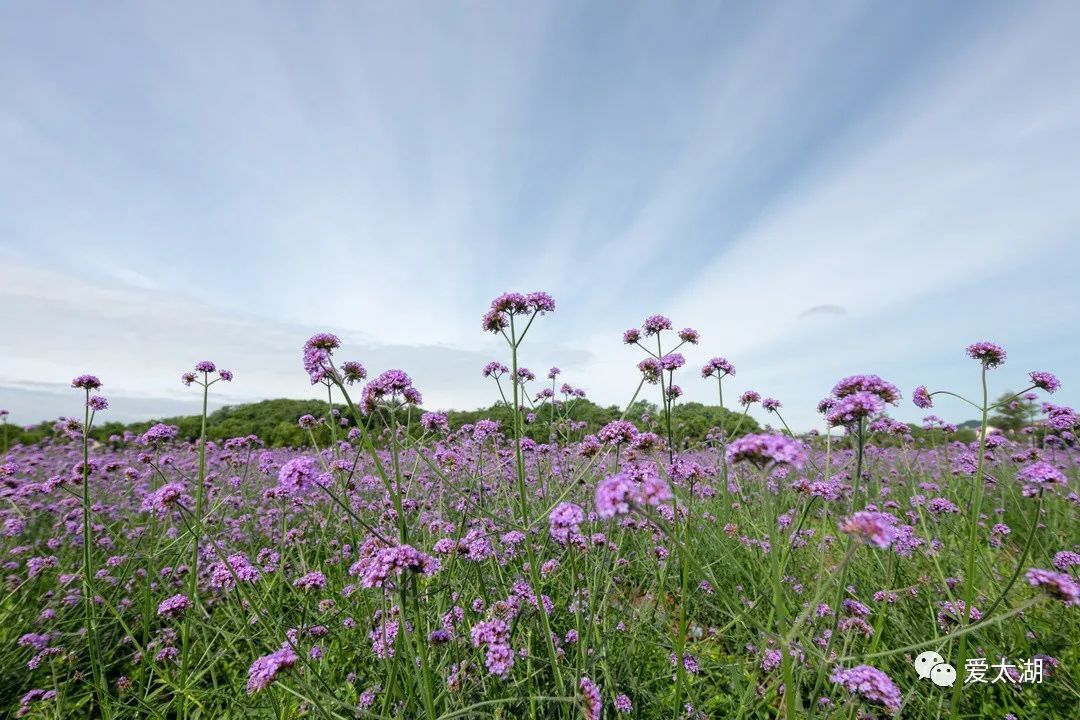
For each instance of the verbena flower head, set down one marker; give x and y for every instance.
(317, 351)
(871, 685)
(617, 432)
(771, 404)
(553, 373)
(989, 354)
(875, 528)
(495, 369)
(672, 361)
(689, 335)
(651, 369)
(1044, 381)
(654, 324)
(97, 403)
(393, 562)
(392, 385)
(507, 304)
(593, 705)
(174, 606)
(159, 433)
(921, 398)
(205, 366)
(86, 382)
(631, 336)
(564, 522)
(353, 372)
(265, 669)
(852, 408)
(764, 449)
(749, 397)
(299, 475)
(719, 367)
(618, 494)
(1057, 585)
(1039, 474)
(873, 384)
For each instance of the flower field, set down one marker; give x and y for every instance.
(532, 569)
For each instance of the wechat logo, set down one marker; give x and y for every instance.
(931, 665)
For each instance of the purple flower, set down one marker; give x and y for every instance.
(311, 580)
(717, 366)
(353, 371)
(631, 336)
(495, 369)
(1066, 559)
(749, 397)
(854, 407)
(553, 373)
(771, 404)
(655, 323)
(623, 704)
(614, 496)
(317, 351)
(300, 475)
(1057, 585)
(942, 505)
(564, 521)
(763, 449)
(389, 562)
(205, 366)
(226, 375)
(1044, 381)
(617, 432)
(590, 693)
(689, 335)
(921, 398)
(174, 606)
(872, 384)
(265, 669)
(1040, 473)
(989, 354)
(159, 432)
(392, 385)
(87, 382)
(651, 369)
(97, 403)
(872, 685)
(876, 528)
(431, 422)
(672, 361)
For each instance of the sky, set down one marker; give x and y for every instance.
(821, 189)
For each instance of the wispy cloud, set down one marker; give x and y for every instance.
(183, 184)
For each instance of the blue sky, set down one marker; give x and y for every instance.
(189, 181)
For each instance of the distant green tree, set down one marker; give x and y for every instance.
(1013, 413)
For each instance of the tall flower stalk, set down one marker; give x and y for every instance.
(200, 377)
(93, 404)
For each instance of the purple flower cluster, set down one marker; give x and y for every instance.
(718, 366)
(885, 391)
(1058, 585)
(389, 562)
(497, 318)
(265, 669)
(174, 606)
(765, 449)
(989, 354)
(875, 528)
(870, 684)
(392, 386)
(617, 494)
